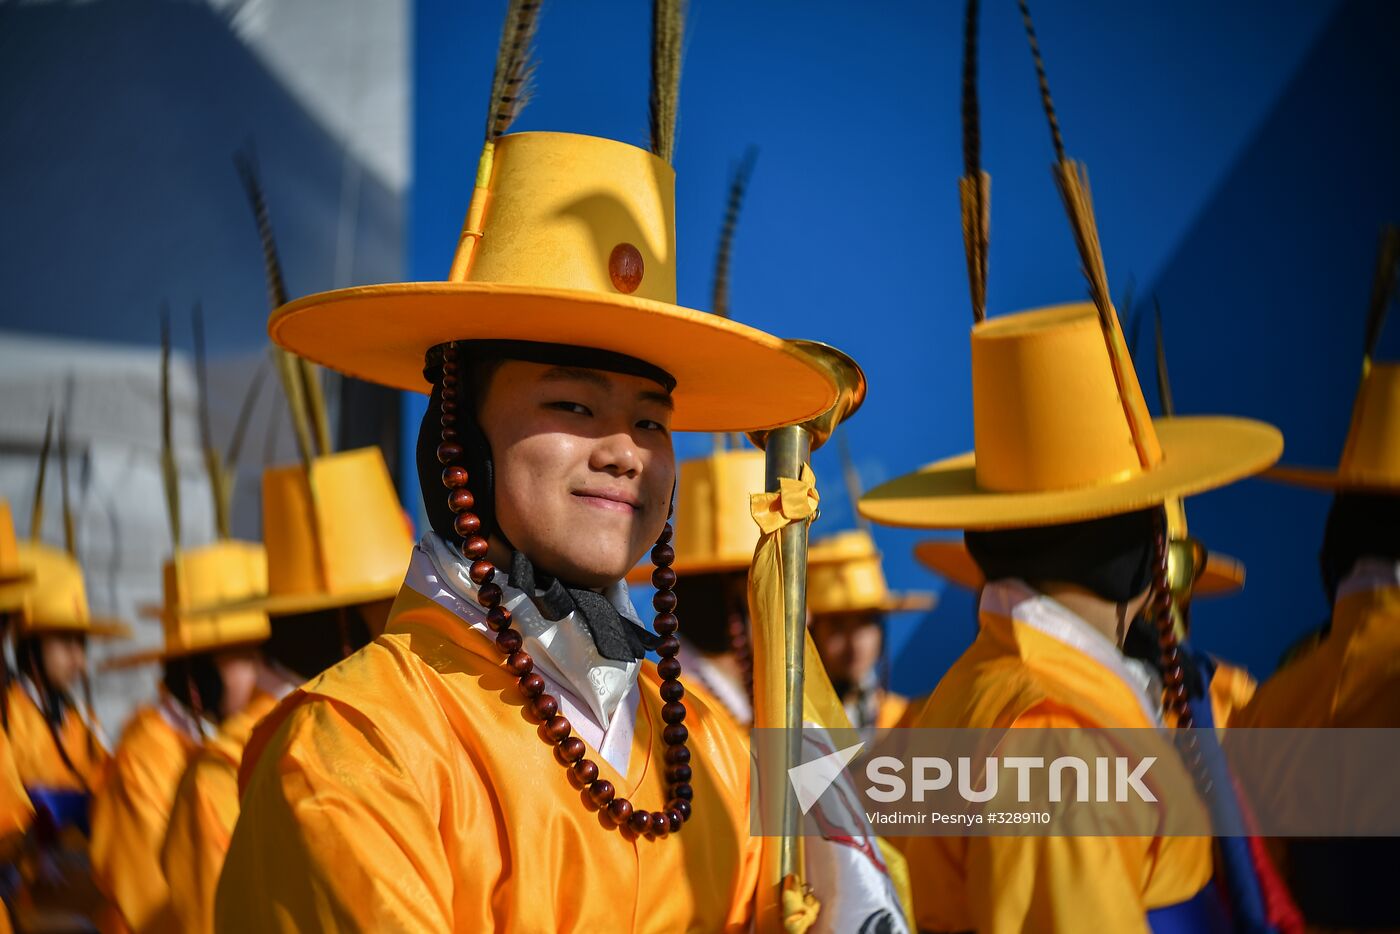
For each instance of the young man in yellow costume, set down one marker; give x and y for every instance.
(1194, 572)
(57, 750)
(1351, 677)
(848, 601)
(209, 674)
(318, 601)
(503, 757)
(1061, 503)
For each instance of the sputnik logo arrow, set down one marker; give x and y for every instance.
(811, 779)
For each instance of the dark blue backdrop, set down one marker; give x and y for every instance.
(1242, 158)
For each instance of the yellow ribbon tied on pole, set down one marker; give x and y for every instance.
(853, 886)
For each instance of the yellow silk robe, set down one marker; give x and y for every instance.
(129, 818)
(203, 816)
(37, 759)
(893, 708)
(15, 809)
(406, 790)
(1349, 679)
(1231, 689)
(1014, 675)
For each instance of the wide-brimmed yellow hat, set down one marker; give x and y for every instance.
(1055, 440)
(715, 531)
(844, 575)
(11, 568)
(1370, 459)
(577, 247)
(198, 582)
(335, 534)
(949, 559)
(54, 600)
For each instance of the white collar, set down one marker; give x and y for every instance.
(1370, 574)
(1018, 600)
(563, 649)
(181, 720)
(730, 693)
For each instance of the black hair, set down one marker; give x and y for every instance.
(308, 643)
(54, 702)
(195, 682)
(1359, 525)
(709, 602)
(1112, 557)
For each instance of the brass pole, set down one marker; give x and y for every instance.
(787, 450)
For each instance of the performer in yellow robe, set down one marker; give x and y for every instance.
(848, 600)
(1061, 503)
(202, 818)
(132, 811)
(504, 757)
(55, 746)
(1350, 677)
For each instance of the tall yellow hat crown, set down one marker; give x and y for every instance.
(11, 569)
(715, 532)
(206, 594)
(845, 575)
(568, 240)
(335, 533)
(56, 600)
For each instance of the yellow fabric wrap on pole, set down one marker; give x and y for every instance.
(786, 903)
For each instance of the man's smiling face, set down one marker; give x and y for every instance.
(584, 466)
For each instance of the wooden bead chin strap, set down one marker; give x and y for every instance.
(1173, 670)
(555, 729)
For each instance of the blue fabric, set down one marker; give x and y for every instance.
(1235, 861)
(62, 808)
(1203, 913)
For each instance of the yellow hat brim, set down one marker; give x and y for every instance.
(1323, 478)
(1198, 453)
(164, 654)
(98, 627)
(910, 602)
(641, 574)
(950, 560)
(729, 377)
(297, 603)
(15, 575)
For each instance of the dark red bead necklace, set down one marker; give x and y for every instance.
(556, 730)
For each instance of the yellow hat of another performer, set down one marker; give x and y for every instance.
(197, 583)
(1061, 431)
(335, 534)
(569, 240)
(1060, 439)
(55, 600)
(715, 531)
(844, 575)
(949, 559)
(11, 568)
(1370, 461)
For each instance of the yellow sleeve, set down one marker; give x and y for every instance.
(1039, 883)
(337, 835)
(201, 823)
(16, 811)
(129, 820)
